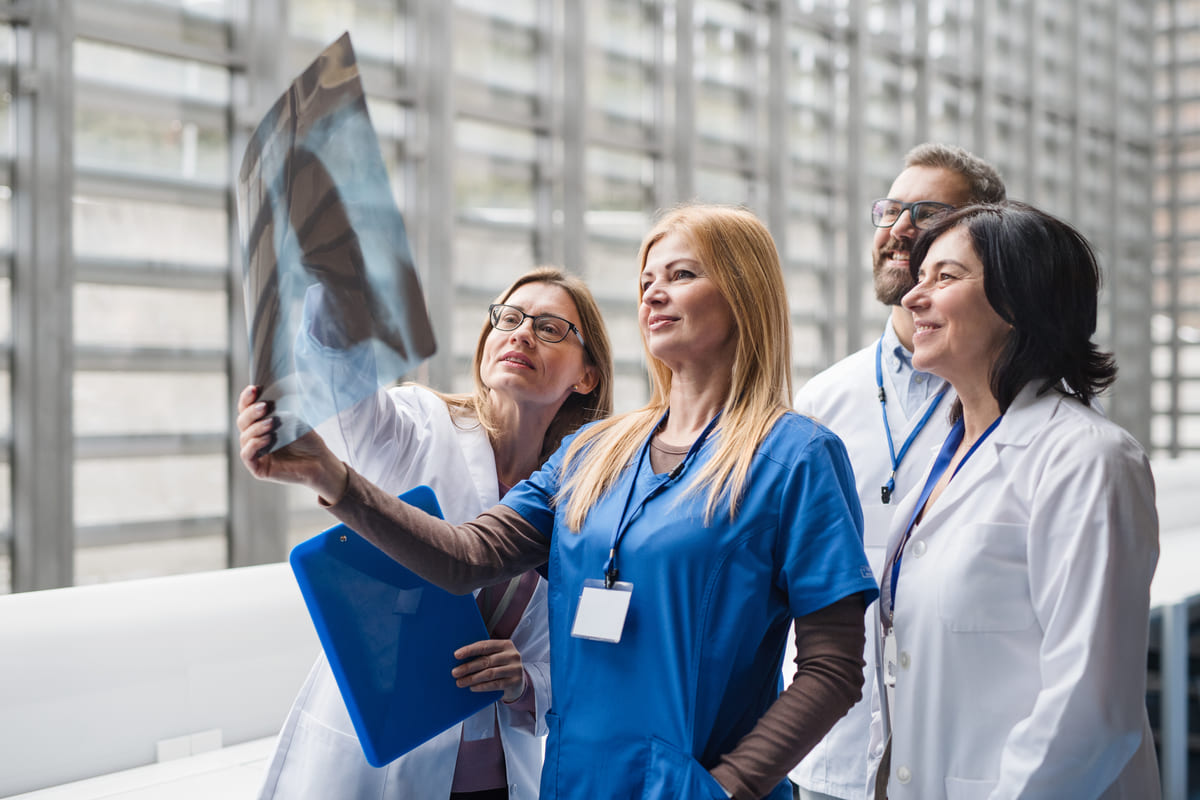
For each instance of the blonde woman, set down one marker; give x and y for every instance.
(535, 381)
(682, 540)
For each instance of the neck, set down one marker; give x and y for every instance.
(517, 444)
(693, 405)
(980, 409)
(902, 322)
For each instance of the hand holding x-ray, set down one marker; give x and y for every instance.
(318, 220)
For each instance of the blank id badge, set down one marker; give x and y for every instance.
(601, 612)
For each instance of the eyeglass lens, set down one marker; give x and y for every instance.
(546, 327)
(886, 212)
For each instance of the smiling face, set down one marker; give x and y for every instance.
(684, 318)
(892, 246)
(958, 334)
(518, 365)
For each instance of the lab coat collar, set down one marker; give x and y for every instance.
(1027, 414)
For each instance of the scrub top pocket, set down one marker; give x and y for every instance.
(674, 774)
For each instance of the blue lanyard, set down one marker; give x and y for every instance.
(611, 573)
(953, 440)
(888, 489)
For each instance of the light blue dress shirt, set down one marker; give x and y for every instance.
(915, 386)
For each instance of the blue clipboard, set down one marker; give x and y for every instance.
(390, 638)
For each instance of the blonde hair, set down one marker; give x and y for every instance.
(577, 409)
(739, 257)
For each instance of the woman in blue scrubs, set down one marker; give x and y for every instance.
(682, 540)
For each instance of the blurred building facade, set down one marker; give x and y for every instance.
(518, 133)
(1176, 265)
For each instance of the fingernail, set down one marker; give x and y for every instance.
(266, 448)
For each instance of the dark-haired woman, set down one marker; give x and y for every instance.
(1015, 596)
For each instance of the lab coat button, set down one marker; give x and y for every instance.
(512, 791)
(903, 775)
(904, 660)
(918, 549)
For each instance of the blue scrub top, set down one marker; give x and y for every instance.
(700, 655)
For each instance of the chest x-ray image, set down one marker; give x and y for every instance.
(334, 309)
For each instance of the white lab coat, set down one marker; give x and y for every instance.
(402, 438)
(1022, 614)
(845, 398)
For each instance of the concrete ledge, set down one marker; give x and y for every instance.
(232, 773)
(100, 679)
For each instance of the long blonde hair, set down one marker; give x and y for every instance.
(739, 256)
(577, 409)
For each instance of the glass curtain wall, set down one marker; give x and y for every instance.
(1176, 322)
(150, 324)
(8, 54)
(515, 134)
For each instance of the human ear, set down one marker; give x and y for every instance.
(587, 382)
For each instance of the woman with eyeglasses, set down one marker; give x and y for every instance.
(534, 384)
(684, 540)
(1015, 593)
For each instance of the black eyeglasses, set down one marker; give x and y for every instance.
(885, 212)
(546, 327)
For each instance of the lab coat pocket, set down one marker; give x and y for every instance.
(674, 774)
(983, 579)
(323, 762)
(966, 789)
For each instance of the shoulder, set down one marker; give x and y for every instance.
(588, 432)
(426, 406)
(820, 391)
(1076, 436)
(1072, 419)
(796, 438)
(415, 396)
(601, 431)
(1093, 434)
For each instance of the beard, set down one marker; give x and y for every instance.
(890, 284)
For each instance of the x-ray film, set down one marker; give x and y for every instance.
(334, 308)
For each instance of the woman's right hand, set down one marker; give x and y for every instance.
(307, 460)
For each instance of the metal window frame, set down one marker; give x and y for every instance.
(43, 531)
(556, 111)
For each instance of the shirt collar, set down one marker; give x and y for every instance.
(897, 356)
